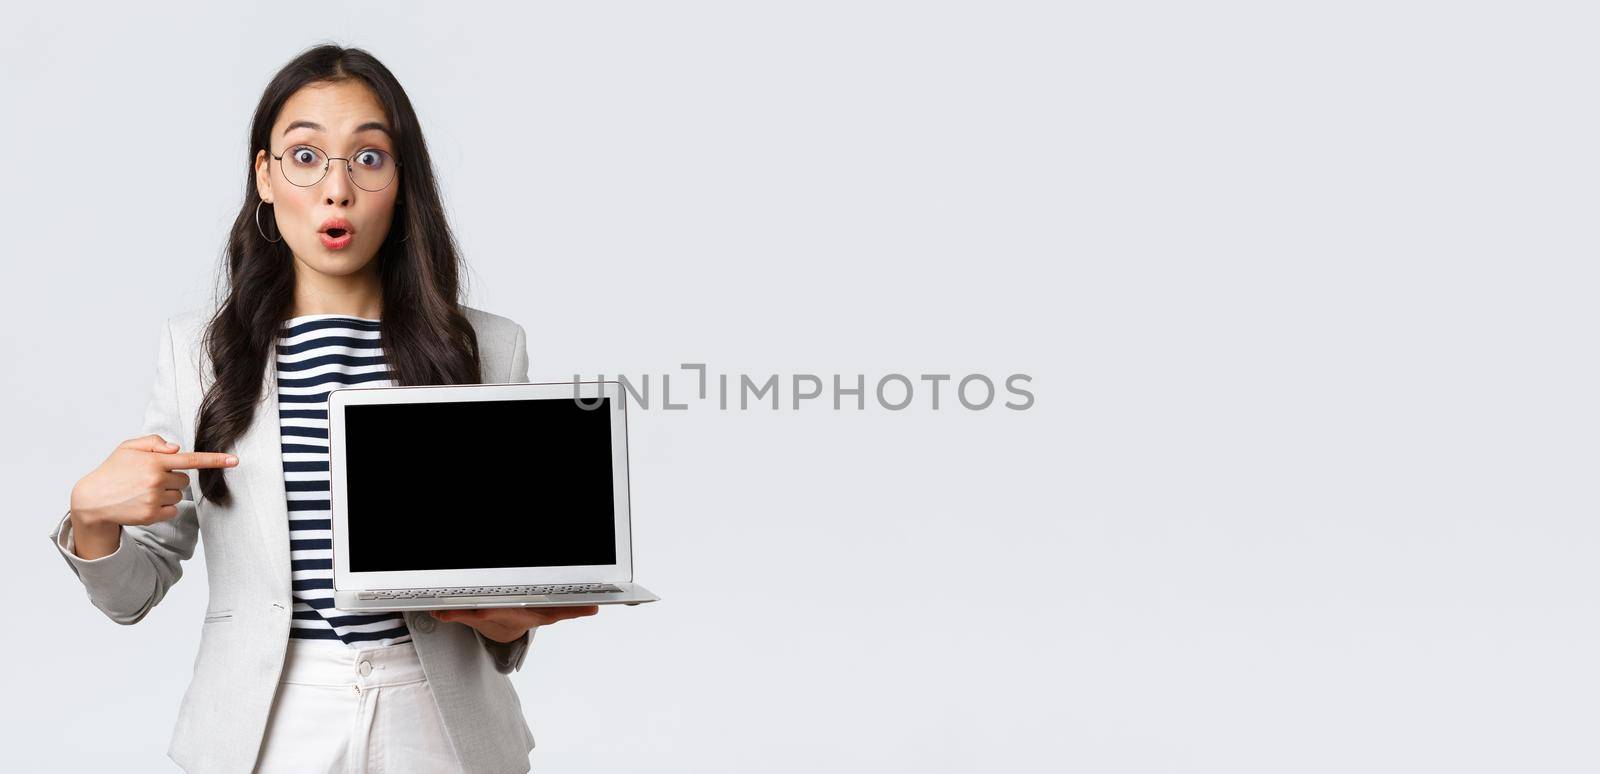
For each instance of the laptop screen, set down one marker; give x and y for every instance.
(478, 484)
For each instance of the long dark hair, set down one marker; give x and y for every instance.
(427, 339)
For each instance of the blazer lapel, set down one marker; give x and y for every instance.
(261, 452)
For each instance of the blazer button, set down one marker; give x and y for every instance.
(423, 622)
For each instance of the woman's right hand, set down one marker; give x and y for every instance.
(138, 483)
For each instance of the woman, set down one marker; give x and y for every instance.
(342, 271)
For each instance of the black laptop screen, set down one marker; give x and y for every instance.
(478, 484)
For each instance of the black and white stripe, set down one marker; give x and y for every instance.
(318, 353)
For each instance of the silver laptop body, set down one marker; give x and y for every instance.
(482, 495)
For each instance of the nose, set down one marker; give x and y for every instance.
(336, 185)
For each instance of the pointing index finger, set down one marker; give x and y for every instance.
(198, 460)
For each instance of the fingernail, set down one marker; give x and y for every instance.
(232, 460)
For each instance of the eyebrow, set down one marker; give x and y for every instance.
(378, 125)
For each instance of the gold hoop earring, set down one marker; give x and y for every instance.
(258, 225)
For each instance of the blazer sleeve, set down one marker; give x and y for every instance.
(128, 582)
(508, 656)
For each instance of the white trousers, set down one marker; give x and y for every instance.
(354, 710)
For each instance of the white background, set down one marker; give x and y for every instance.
(1307, 291)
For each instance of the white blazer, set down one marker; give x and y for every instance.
(245, 631)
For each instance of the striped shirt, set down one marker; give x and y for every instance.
(318, 353)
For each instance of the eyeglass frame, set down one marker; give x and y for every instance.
(327, 161)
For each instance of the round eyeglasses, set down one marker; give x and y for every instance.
(370, 169)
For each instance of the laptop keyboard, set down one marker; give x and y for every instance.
(490, 591)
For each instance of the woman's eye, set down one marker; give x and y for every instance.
(370, 158)
(304, 156)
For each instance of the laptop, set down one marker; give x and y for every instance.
(480, 495)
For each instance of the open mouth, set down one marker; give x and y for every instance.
(335, 232)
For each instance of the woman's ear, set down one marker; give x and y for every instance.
(263, 178)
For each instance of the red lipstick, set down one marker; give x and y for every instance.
(336, 233)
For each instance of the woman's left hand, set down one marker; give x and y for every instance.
(508, 624)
